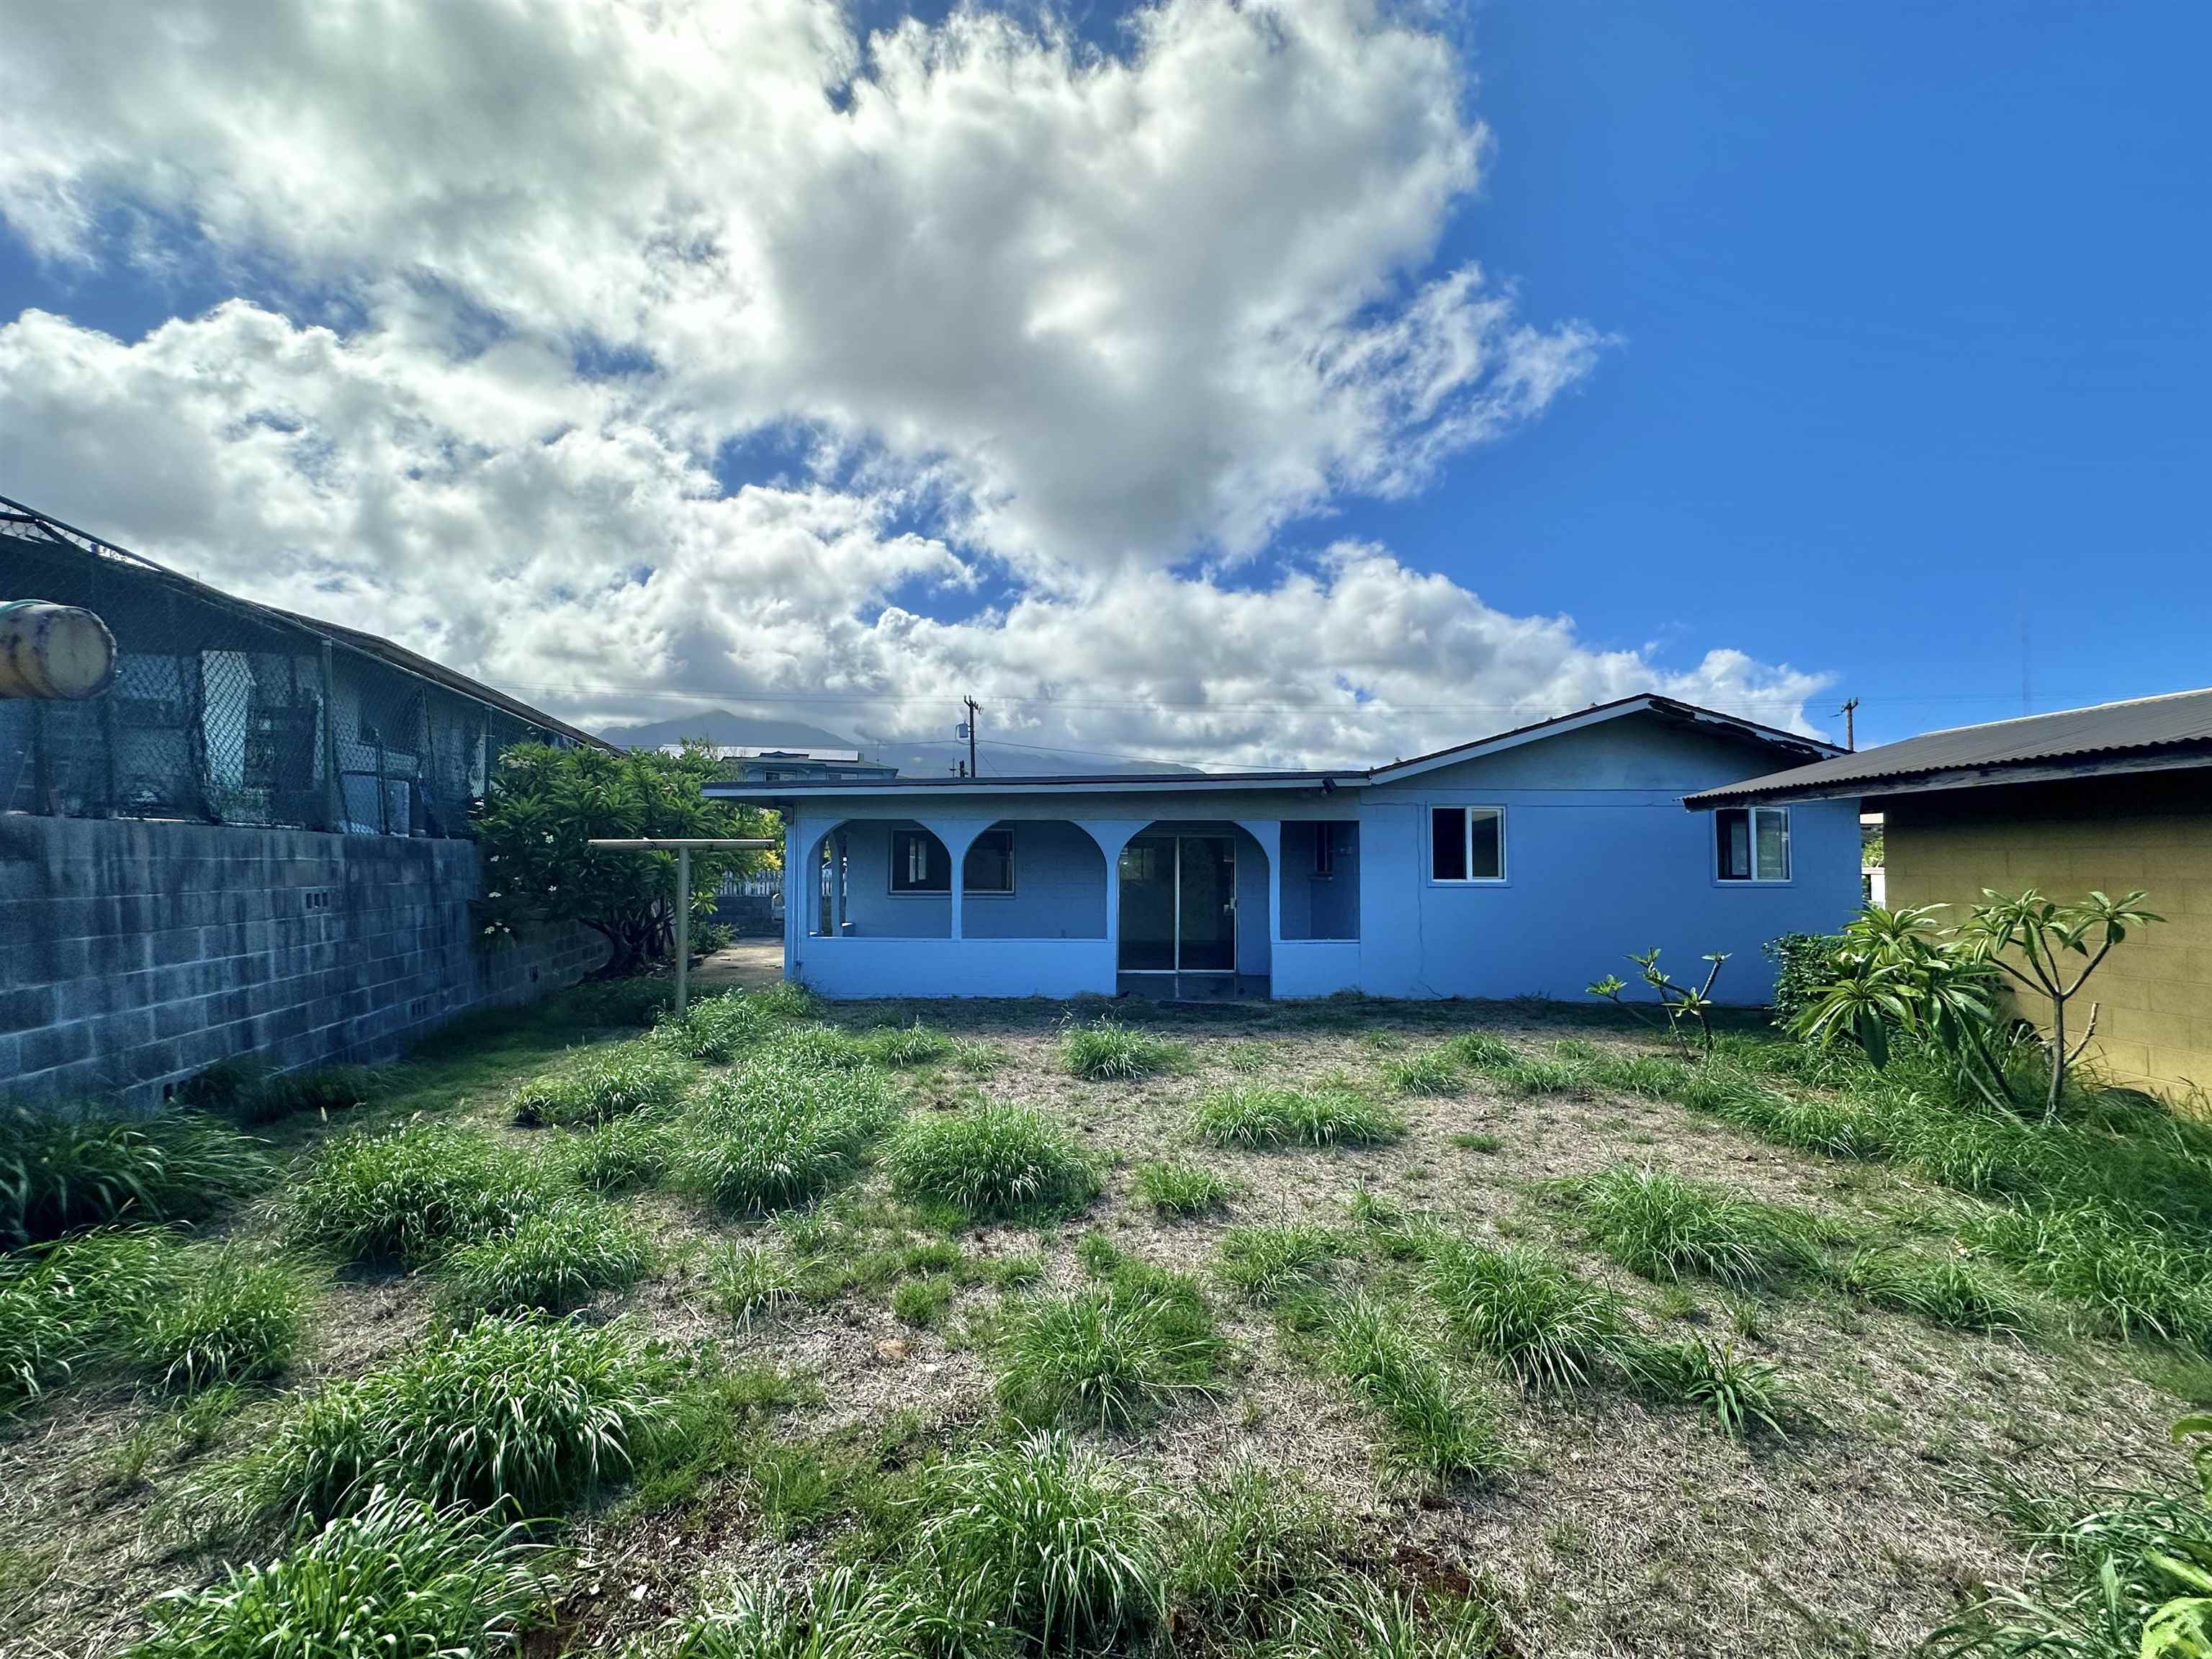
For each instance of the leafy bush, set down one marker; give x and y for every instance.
(64, 1170)
(777, 1134)
(747, 1280)
(518, 1413)
(556, 1258)
(608, 1081)
(907, 1045)
(838, 1615)
(1942, 1290)
(998, 1159)
(234, 1319)
(1266, 1261)
(1437, 1427)
(1107, 1357)
(400, 1580)
(1662, 1226)
(1106, 1051)
(1738, 1393)
(1545, 1325)
(1174, 1188)
(415, 1192)
(1046, 1539)
(1253, 1116)
(1803, 963)
(620, 1156)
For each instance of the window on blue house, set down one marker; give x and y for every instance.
(1467, 843)
(989, 866)
(920, 863)
(1752, 843)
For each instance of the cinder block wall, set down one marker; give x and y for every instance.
(134, 954)
(2149, 830)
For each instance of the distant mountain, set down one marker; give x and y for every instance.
(917, 758)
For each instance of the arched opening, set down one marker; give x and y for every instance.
(881, 879)
(1033, 879)
(1193, 912)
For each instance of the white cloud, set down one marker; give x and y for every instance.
(1105, 315)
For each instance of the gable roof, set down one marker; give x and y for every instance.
(1667, 709)
(2140, 734)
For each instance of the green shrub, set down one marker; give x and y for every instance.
(556, 1258)
(1426, 1072)
(1254, 1115)
(1107, 1358)
(62, 1169)
(747, 1280)
(1942, 1290)
(400, 1580)
(837, 1615)
(232, 1319)
(1545, 1325)
(612, 1080)
(415, 1192)
(1106, 1051)
(1174, 1188)
(1739, 1393)
(1437, 1427)
(1264, 1262)
(1660, 1225)
(777, 1134)
(907, 1045)
(621, 1156)
(994, 1160)
(1046, 1540)
(1805, 964)
(519, 1413)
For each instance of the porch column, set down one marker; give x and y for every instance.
(1112, 835)
(958, 834)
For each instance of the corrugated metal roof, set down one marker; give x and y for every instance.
(2135, 728)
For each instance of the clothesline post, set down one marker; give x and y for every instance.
(681, 846)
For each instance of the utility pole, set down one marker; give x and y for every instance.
(1850, 712)
(974, 709)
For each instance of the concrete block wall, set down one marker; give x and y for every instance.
(135, 953)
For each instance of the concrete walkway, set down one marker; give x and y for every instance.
(748, 964)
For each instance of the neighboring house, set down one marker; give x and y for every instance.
(749, 763)
(2113, 798)
(1527, 863)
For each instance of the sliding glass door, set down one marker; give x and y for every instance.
(1179, 904)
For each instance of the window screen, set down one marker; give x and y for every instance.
(920, 863)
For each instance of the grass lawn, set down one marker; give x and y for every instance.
(1334, 1328)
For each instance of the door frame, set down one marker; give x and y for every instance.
(1174, 911)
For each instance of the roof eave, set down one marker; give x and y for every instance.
(2045, 769)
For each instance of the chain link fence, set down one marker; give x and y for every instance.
(227, 711)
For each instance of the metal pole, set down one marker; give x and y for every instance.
(683, 927)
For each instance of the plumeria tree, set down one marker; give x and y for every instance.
(545, 804)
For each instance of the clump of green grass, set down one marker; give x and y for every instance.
(975, 1057)
(998, 1159)
(1108, 1358)
(1267, 1262)
(1172, 1186)
(1739, 1393)
(415, 1192)
(778, 1134)
(924, 1301)
(1480, 1051)
(1248, 1059)
(556, 1258)
(1941, 1289)
(2132, 1278)
(624, 1155)
(1353, 1616)
(1425, 1072)
(400, 1578)
(841, 1614)
(609, 1081)
(248, 1090)
(638, 1000)
(748, 1279)
(518, 1413)
(1542, 1323)
(784, 1000)
(1258, 1116)
(1045, 1538)
(1107, 1051)
(718, 1030)
(234, 1318)
(814, 1048)
(63, 1168)
(1478, 1140)
(1254, 1538)
(1660, 1225)
(907, 1045)
(1546, 1075)
(1438, 1427)
(75, 1300)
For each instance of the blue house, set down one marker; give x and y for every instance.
(1524, 863)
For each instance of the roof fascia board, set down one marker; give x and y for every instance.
(1201, 785)
(1971, 777)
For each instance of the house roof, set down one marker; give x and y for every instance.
(1666, 709)
(2141, 734)
(30, 524)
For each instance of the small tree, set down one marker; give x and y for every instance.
(1679, 1002)
(545, 804)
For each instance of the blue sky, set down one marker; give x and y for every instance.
(1879, 336)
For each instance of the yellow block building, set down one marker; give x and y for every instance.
(2111, 799)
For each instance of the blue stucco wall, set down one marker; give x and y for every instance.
(1602, 859)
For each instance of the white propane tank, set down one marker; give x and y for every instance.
(53, 651)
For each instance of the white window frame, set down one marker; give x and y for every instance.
(1468, 813)
(1752, 815)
